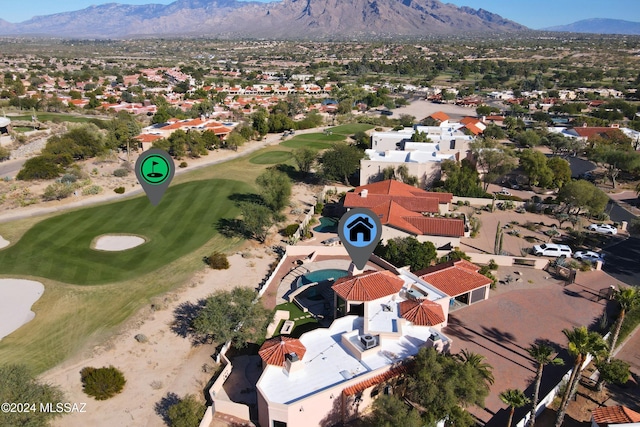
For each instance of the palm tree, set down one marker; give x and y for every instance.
(628, 298)
(581, 343)
(542, 353)
(477, 361)
(515, 399)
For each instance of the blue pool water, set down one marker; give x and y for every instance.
(327, 225)
(321, 276)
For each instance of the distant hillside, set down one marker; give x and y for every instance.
(600, 26)
(335, 19)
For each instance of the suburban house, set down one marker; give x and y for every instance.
(610, 416)
(460, 280)
(422, 159)
(332, 375)
(164, 130)
(409, 211)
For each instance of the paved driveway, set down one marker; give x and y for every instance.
(622, 261)
(513, 317)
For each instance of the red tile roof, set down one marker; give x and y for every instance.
(147, 137)
(395, 215)
(414, 204)
(588, 132)
(615, 415)
(391, 187)
(378, 379)
(422, 312)
(440, 116)
(454, 277)
(274, 350)
(474, 129)
(368, 286)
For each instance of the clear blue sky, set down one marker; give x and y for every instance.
(532, 13)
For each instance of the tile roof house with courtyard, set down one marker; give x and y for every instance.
(458, 279)
(613, 416)
(408, 211)
(335, 373)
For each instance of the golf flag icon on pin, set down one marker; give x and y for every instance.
(155, 170)
(359, 231)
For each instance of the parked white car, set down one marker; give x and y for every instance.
(503, 192)
(603, 228)
(552, 249)
(589, 256)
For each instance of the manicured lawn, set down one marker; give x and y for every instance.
(271, 158)
(316, 141)
(302, 325)
(58, 248)
(350, 129)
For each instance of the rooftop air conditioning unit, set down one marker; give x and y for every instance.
(368, 341)
(292, 357)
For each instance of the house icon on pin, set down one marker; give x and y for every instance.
(361, 225)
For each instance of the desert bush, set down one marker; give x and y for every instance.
(102, 383)
(119, 190)
(141, 338)
(68, 178)
(57, 191)
(120, 172)
(319, 207)
(218, 261)
(186, 413)
(183, 165)
(92, 190)
(290, 230)
(492, 265)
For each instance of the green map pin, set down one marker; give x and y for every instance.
(155, 170)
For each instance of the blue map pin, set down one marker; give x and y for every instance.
(359, 231)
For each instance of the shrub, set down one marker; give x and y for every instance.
(141, 338)
(218, 261)
(119, 190)
(290, 230)
(92, 190)
(186, 413)
(319, 207)
(68, 178)
(57, 191)
(40, 167)
(183, 165)
(634, 226)
(492, 265)
(120, 173)
(5, 154)
(102, 383)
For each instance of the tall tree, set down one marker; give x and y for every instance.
(275, 188)
(560, 170)
(534, 165)
(232, 316)
(407, 251)
(492, 159)
(256, 220)
(514, 398)
(304, 158)
(461, 179)
(542, 354)
(20, 386)
(615, 160)
(390, 411)
(628, 298)
(340, 161)
(477, 361)
(581, 343)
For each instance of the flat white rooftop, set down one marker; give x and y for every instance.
(408, 156)
(328, 363)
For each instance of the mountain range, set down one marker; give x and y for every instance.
(600, 26)
(293, 19)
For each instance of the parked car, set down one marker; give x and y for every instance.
(589, 256)
(503, 192)
(552, 249)
(603, 228)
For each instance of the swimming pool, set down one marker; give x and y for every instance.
(327, 225)
(321, 276)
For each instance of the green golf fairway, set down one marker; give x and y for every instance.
(59, 248)
(271, 158)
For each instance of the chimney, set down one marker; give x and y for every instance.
(292, 363)
(364, 193)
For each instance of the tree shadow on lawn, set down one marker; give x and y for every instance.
(231, 228)
(162, 407)
(182, 324)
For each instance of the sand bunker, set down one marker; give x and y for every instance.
(3, 243)
(116, 242)
(16, 298)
